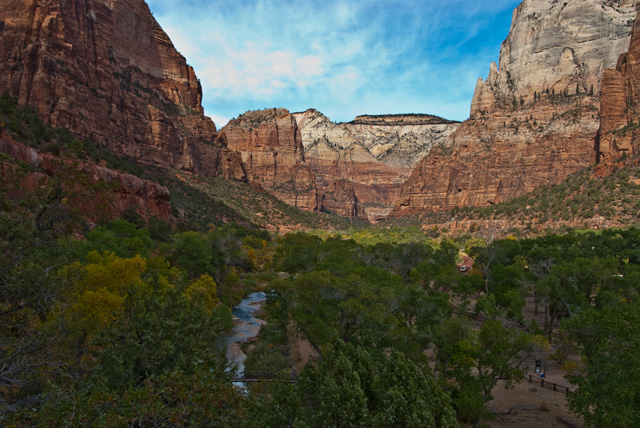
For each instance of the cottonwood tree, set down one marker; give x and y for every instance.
(484, 358)
(608, 381)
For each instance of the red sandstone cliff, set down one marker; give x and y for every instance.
(620, 105)
(106, 70)
(340, 198)
(273, 155)
(501, 156)
(100, 192)
(535, 119)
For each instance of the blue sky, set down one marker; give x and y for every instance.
(341, 57)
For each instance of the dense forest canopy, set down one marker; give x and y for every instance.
(114, 323)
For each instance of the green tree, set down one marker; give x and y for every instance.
(191, 252)
(121, 237)
(405, 396)
(495, 354)
(608, 393)
(355, 387)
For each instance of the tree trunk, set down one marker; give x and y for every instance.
(546, 316)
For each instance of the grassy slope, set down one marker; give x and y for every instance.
(615, 196)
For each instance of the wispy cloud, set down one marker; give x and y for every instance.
(342, 57)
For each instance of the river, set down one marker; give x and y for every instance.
(245, 326)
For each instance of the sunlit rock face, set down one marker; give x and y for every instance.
(360, 166)
(535, 120)
(271, 147)
(556, 45)
(106, 70)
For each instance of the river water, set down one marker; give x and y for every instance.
(245, 326)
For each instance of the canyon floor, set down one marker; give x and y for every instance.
(530, 406)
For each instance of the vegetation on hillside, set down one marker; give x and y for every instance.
(196, 201)
(596, 197)
(585, 195)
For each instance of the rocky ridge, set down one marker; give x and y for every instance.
(108, 193)
(556, 45)
(529, 126)
(106, 70)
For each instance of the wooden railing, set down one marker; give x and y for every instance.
(550, 385)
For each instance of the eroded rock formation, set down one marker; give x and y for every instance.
(535, 120)
(373, 155)
(556, 45)
(340, 198)
(106, 70)
(271, 147)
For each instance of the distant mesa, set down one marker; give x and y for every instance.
(361, 165)
(401, 119)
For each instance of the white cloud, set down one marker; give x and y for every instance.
(219, 121)
(333, 55)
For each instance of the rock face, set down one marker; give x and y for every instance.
(361, 165)
(535, 120)
(107, 192)
(340, 198)
(619, 108)
(271, 147)
(556, 45)
(401, 141)
(106, 70)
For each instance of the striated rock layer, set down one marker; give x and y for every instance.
(273, 155)
(535, 120)
(400, 140)
(367, 159)
(106, 70)
(620, 105)
(340, 198)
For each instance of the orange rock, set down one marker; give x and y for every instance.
(519, 136)
(273, 156)
(340, 198)
(619, 117)
(371, 156)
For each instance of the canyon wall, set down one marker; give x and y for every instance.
(107, 71)
(360, 166)
(273, 155)
(620, 105)
(556, 45)
(534, 121)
